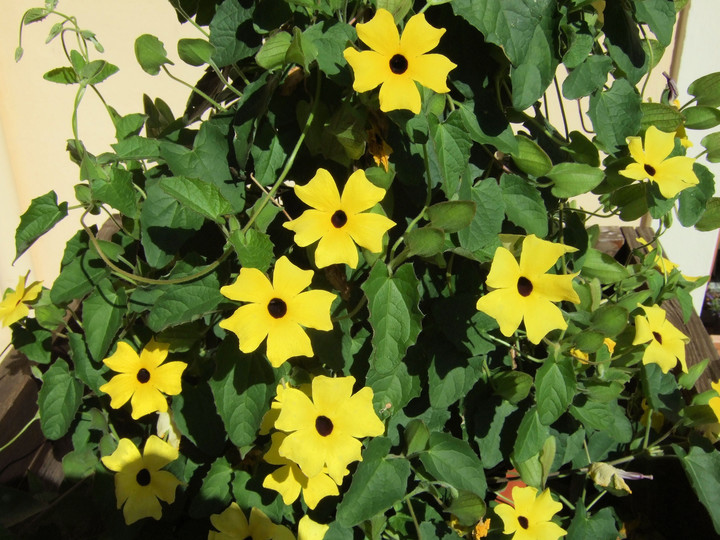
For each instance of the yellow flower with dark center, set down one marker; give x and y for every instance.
(140, 484)
(340, 221)
(324, 430)
(142, 380)
(277, 311)
(14, 303)
(526, 291)
(530, 519)
(231, 524)
(671, 174)
(289, 480)
(666, 344)
(396, 62)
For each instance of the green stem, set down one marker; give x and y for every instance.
(596, 499)
(567, 503)
(414, 518)
(23, 430)
(353, 312)
(200, 93)
(291, 158)
(224, 80)
(562, 108)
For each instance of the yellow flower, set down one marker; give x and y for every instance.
(277, 311)
(339, 221)
(530, 519)
(666, 343)
(139, 483)
(610, 344)
(142, 380)
(396, 62)
(311, 530)
(14, 303)
(231, 524)
(324, 430)
(672, 175)
(715, 401)
(289, 480)
(526, 292)
(657, 420)
(481, 530)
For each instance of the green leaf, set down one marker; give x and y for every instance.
(450, 377)
(201, 197)
(398, 8)
(706, 90)
(195, 52)
(254, 249)
(556, 386)
(583, 150)
(394, 314)
(451, 216)
(97, 71)
(268, 154)
(302, 50)
(395, 388)
(531, 78)
(494, 130)
(62, 75)
(130, 124)
(102, 318)
(33, 341)
(664, 117)
(42, 215)
(610, 320)
(136, 147)
(58, 400)
(243, 385)
(624, 42)
(468, 508)
(84, 368)
(615, 114)
(602, 266)
(232, 33)
(425, 242)
(580, 48)
(118, 191)
(195, 416)
(185, 302)
(524, 205)
(573, 179)
(78, 277)
(531, 436)
(703, 470)
(451, 143)
(712, 145)
(34, 15)
(330, 37)
(214, 495)
(599, 526)
(512, 386)
(377, 484)
(530, 158)
(693, 201)
(417, 436)
(150, 53)
(608, 418)
(272, 54)
(659, 15)
(688, 380)
(454, 462)
(711, 218)
(701, 117)
(587, 77)
(482, 233)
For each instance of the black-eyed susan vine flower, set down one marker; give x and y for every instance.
(671, 174)
(396, 62)
(531, 517)
(231, 524)
(323, 430)
(277, 311)
(526, 292)
(140, 484)
(666, 344)
(289, 480)
(143, 380)
(14, 305)
(339, 222)
(715, 401)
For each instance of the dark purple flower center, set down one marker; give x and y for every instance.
(657, 337)
(143, 375)
(523, 521)
(649, 169)
(398, 64)
(338, 219)
(524, 286)
(277, 308)
(143, 477)
(323, 425)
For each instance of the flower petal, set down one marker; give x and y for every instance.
(541, 316)
(146, 400)
(431, 71)
(357, 416)
(167, 378)
(544, 507)
(336, 247)
(164, 484)
(419, 36)
(635, 147)
(289, 280)
(380, 33)
(400, 92)
(504, 271)
(538, 256)
(675, 174)
(317, 488)
(124, 359)
(555, 288)
(120, 389)
(141, 505)
(311, 309)
(330, 393)
(309, 227)
(157, 453)
(251, 285)
(297, 412)
(307, 449)
(250, 323)
(320, 192)
(636, 171)
(658, 145)
(287, 339)
(285, 482)
(231, 521)
(360, 194)
(509, 517)
(657, 354)
(125, 454)
(369, 68)
(153, 354)
(368, 229)
(340, 451)
(505, 306)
